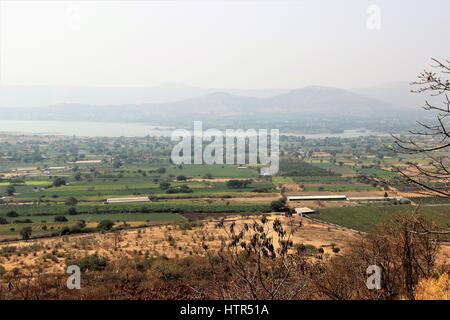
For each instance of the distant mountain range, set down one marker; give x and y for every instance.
(40, 96)
(160, 106)
(397, 94)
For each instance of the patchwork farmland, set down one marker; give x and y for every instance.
(106, 200)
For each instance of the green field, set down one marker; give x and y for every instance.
(378, 173)
(343, 170)
(141, 167)
(217, 171)
(282, 180)
(101, 190)
(293, 167)
(160, 206)
(322, 180)
(367, 218)
(341, 187)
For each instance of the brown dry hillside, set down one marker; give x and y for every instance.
(174, 240)
(170, 240)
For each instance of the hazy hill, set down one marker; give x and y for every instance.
(396, 93)
(12, 96)
(311, 108)
(309, 100)
(328, 100)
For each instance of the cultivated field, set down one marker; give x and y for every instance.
(54, 191)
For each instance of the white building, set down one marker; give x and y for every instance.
(318, 198)
(127, 200)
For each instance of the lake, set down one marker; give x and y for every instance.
(78, 128)
(110, 129)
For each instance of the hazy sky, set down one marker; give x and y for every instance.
(247, 44)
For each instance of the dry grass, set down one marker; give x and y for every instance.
(434, 289)
(170, 240)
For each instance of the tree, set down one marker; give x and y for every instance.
(181, 189)
(181, 178)
(72, 211)
(59, 182)
(10, 190)
(65, 231)
(164, 185)
(161, 170)
(117, 164)
(12, 214)
(403, 250)
(254, 262)
(237, 184)
(92, 262)
(277, 205)
(3, 220)
(81, 224)
(105, 225)
(432, 138)
(71, 201)
(26, 233)
(60, 219)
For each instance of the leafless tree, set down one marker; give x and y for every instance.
(257, 261)
(432, 139)
(404, 250)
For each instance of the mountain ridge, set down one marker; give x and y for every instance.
(313, 100)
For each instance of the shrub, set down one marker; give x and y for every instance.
(190, 225)
(60, 219)
(180, 189)
(72, 211)
(12, 214)
(8, 250)
(71, 201)
(161, 170)
(164, 185)
(171, 240)
(80, 227)
(59, 182)
(10, 190)
(23, 221)
(92, 262)
(3, 220)
(50, 256)
(277, 205)
(65, 231)
(26, 233)
(306, 248)
(105, 225)
(237, 184)
(167, 269)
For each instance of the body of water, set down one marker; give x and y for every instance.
(109, 129)
(83, 129)
(350, 133)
